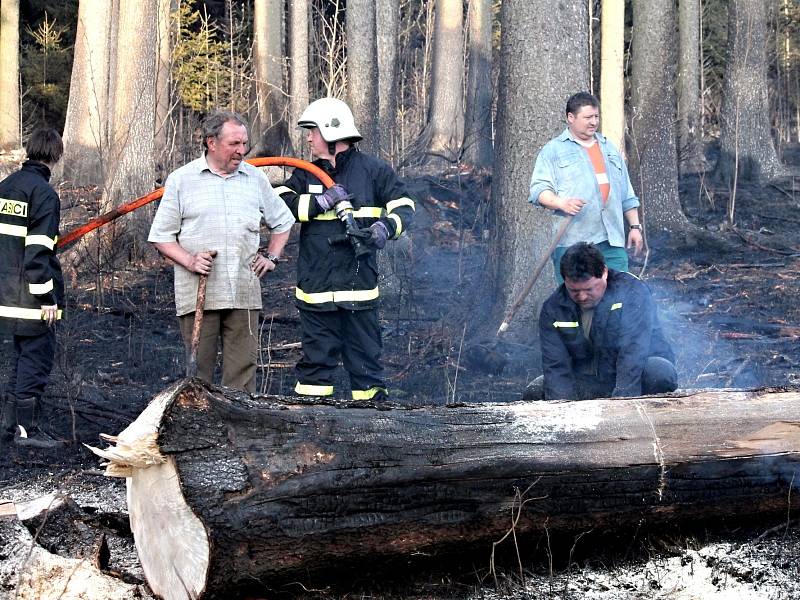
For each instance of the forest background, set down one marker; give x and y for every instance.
(692, 86)
(457, 94)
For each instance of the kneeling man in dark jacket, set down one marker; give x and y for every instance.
(600, 335)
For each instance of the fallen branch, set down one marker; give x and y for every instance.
(755, 244)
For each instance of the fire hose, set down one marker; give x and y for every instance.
(264, 161)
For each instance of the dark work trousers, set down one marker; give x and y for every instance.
(31, 364)
(355, 335)
(658, 377)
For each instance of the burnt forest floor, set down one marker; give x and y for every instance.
(728, 297)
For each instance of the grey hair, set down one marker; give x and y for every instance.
(212, 124)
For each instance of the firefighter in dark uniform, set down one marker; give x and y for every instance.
(32, 287)
(600, 335)
(337, 274)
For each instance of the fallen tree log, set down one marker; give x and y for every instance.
(225, 489)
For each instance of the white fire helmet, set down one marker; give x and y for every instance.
(334, 119)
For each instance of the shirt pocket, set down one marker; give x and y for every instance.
(570, 171)
(614, 170)
(247, 211)
(614, 162)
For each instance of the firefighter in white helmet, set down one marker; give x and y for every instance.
(337, 269)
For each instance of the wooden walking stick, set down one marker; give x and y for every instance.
(191, 362)
(537, 270)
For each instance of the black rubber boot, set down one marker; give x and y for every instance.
(8, 418)
(29, 434)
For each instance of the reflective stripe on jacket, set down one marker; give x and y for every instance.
(328, 275)
(30, 274)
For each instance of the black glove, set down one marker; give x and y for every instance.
(379, 235)
(332, 196)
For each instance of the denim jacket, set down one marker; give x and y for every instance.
(563, 167)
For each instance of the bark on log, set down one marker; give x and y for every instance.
(226, 489)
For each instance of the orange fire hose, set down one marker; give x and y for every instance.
(263, 161)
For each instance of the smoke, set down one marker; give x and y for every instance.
(704, 358)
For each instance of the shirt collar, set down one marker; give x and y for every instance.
(203, 166)
(567, 135)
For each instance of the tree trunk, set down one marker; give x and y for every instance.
(747, 151)
(478, 121)
(612, 72)
(254, 490)
(131, 170)
(270, 131)
(532, 52)
(362, 70)
(86, 125)
(9, 75)
(298, 74)
(164, 150)
(690, 104)
(445, 129)
(387, 20)
(653, 156)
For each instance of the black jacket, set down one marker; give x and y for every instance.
(29, 269)
(328, 275)
(625, 331)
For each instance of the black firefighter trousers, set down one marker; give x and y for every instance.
(33, 360)
(30, 371)
(355, 335)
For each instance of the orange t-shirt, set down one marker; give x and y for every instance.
(599, 164)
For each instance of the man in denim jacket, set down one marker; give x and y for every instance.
(581, 173)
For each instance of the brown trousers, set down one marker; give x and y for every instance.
(238, 331)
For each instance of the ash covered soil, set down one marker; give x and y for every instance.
(727, 296)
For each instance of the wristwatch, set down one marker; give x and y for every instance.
(272, 258)
(635, 226)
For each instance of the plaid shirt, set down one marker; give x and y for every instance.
(204, 211)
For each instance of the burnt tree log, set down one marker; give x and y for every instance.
(226, 489)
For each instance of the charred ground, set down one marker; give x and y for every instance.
(727, 295)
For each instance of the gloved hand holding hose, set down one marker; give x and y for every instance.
(379, 234)
(332, 196)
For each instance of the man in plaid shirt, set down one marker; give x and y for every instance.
(217, 203)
